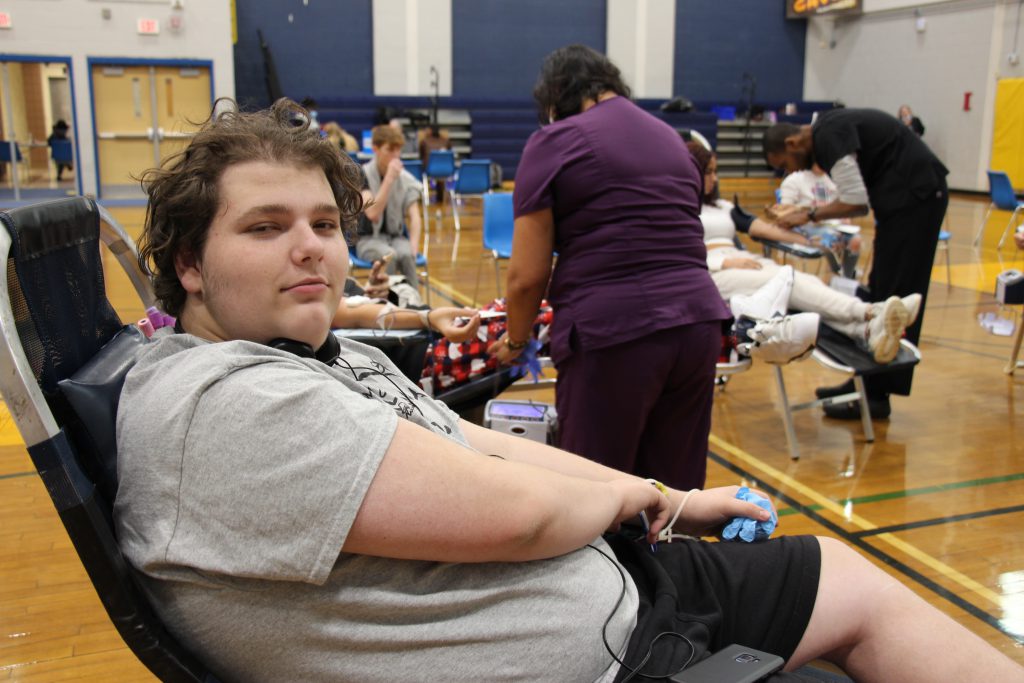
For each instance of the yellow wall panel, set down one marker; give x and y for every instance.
(1008, 131)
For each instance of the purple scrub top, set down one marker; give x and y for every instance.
(625, 195)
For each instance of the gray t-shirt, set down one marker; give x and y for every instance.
(404, 192)
(241, 471)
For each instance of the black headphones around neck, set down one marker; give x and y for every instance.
(327, 353)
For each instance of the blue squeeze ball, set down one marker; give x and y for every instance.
(746, 529)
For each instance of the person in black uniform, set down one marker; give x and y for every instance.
(874, 160)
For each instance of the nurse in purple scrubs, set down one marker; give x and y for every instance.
(638, 320)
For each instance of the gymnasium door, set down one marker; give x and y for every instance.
(144, 113)
(35, 94)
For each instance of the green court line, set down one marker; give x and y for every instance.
(924, 490)
(16, 475)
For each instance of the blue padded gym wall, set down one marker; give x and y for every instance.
(325, 51)
(717, 42)
(498, 46)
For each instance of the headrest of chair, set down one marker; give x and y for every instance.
(93, 393)
(40, 228)
(58, 296)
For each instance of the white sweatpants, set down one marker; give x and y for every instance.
(841, 311)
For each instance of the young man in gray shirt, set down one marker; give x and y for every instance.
(393, 199)
(299, 511)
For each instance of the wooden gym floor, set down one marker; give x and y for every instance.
(936, 500)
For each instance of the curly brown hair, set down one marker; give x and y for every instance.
(184, 192)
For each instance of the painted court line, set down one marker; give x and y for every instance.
(886, 558)
(963, 580)
(924, 490)
(952, 519)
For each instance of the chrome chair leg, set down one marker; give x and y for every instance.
(497, 273)
(458, 225)
(981, 228)
(1011, 366)
(1006, 230)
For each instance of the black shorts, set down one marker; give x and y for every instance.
(756, 594)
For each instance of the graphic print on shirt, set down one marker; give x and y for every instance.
(380, 384)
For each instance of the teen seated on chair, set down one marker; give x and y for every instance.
(739, 273)
(808, 190)
(392, 201)
(314, 516)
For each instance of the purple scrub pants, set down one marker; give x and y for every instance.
(643, 406)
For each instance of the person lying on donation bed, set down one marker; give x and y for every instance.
(738, 273)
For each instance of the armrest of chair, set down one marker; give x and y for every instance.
(801, 251)
(476, 392)
(93, 393)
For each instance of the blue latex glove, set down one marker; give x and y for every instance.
(528, 362)
(746, 529)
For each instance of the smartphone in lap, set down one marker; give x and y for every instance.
(734, 663)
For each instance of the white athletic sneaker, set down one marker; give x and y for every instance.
(913, 305)
(784, 339)
(770, 301)
(886, 328)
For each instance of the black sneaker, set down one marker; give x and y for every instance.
(828, 392)
(878, 408)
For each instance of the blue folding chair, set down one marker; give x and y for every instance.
(415, 168)
(497, 235)
(440, 165)
(473, 178)
(1003, 198)
(439, 169)
(5, 151)
(5, 154)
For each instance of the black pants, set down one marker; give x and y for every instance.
(905, 243)
(760, 595)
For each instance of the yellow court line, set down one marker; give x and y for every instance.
(833, 507)
(450, 292)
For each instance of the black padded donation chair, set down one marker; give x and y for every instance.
(63, 361)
